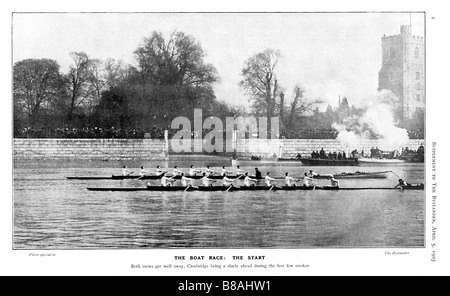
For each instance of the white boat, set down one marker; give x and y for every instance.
(380, 160)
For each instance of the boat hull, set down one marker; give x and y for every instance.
(253, 188)
(380, 161)
(356, 175)
(329, 162)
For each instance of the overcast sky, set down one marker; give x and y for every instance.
(330, 54)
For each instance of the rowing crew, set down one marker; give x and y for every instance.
(143, 172)
(206, 182)
(248, 181)
(192, 171)
(308, 181)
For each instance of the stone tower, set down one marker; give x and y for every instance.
(402, 70)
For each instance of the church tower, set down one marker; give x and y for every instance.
(402, 70)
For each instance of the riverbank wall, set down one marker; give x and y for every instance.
(156, 149)
(89, 149)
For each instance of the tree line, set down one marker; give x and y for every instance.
(169, 78)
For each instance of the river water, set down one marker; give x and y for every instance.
(51, 212)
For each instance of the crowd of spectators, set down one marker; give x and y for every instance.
(333, 155)
(417, 134)
(310, 134)
(90, 132)
(158, 133)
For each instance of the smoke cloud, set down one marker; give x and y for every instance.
(376, 123)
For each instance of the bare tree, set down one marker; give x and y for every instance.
(299, 105)
(115, 73)
(260, 81)
(77, 81)
(95, 82)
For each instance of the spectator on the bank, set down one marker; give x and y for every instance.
(322, 154)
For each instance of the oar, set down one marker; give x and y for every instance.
(189, 186)
(232, 184)
(272, 186)
(141, 177)
(395, 174)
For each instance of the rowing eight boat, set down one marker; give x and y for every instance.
(356, 175)
(152, 177)
(251, 188)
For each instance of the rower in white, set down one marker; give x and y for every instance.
(143, 172)
(167, 181)
(125, 171)
(239, 172)
(185, 181)
(227, 181)
(206, 182)
(176, 172)
(312, 174)
(334, 182)
(193, 172)
(209, 171)
(159, 171)
(247, 181)
(269, 180)
(224, 172)
(307, 181)
(290, 182)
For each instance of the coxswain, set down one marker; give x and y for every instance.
(312, 174)
(307, 181)
(206, 182)
(167, 181)
(239, 172)
(269, 180)
(227, 181)
(159, 171)
(193, 172)
(143, 172)
(125, 171)
(401, 183)
(185, 181)
(247, 181)
(258, 174)
(290, 182)
(176, 172)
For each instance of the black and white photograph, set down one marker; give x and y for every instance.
(213, 140)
